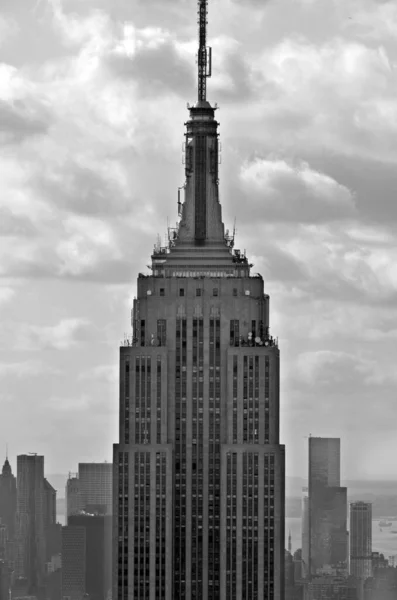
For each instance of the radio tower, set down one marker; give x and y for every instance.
(204, 53)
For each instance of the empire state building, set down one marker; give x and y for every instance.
(199, 471)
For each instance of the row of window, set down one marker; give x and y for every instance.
(199, 292)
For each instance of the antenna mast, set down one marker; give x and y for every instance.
(204, 53)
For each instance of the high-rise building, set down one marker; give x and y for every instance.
(327, 511)
(50, 504)
(73, 562)
(5, 580)
(97, 561)
(30, 532)
(361, 539)
(8, 499)
(199, 469)
(72, 496)
(324, 462)
(95, 483)
(305, 532)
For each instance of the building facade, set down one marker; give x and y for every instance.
(327, 508)
(72, 496)
(30, 531)
(199, 469)
(98, 557)
(95, 486)
(73, 571)
(305, 532)
(361, 539)
(8, 499)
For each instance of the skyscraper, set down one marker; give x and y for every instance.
(361, 540)
(72, 496)
(8, 499)
(328, 537)
(305, 532)
(97, 573)
(73, 562)
(95, 483)
(199, 470)
(50, 504)
(30, 543)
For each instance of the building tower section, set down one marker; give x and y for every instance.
(199, 469)
(361, 540)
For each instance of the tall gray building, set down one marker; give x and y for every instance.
(305, 532)
(95, 486)
(8, 499)
(73, 576)
(328, 536)
(30, 523)
(199, 469)
(361, 540)
(72, 496)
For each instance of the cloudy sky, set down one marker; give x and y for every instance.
(92, 104)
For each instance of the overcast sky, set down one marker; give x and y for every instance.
(93, 100)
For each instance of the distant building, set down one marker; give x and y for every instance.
(72, 496)
(361, 540)
(327, 510)
(98, 557)
(305, 533)
(30, 531)
(73, 562)
(50, 504)
(95, 483)
(378, 561)
(8, 499)
(383, 584)
(5, 580)
(330, 587)
(53, 539)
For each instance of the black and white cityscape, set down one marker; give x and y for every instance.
(209, 413)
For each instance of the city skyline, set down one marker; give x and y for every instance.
(84, 101)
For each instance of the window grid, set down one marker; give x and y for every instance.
(127, 402)
(267, 399)
(214, 460)
(122, 558)
(235, 398)
(180, 461)
(158, 405)
(197, 458)
(231, 526)
(160, 525)
(143, 400)
(234, 332)
(269, 477)
(142, 525)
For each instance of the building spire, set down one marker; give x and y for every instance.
(204, 53)
(289, 543)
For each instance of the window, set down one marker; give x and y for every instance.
(198, 292)
(162, 292)
(181, 292)
(234, 291)
(215, 292)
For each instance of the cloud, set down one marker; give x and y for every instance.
(107, 373)
(277, 191)
(20, 120)
(63, 336)
(338, 370)
(8, 29)
(27, 369)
